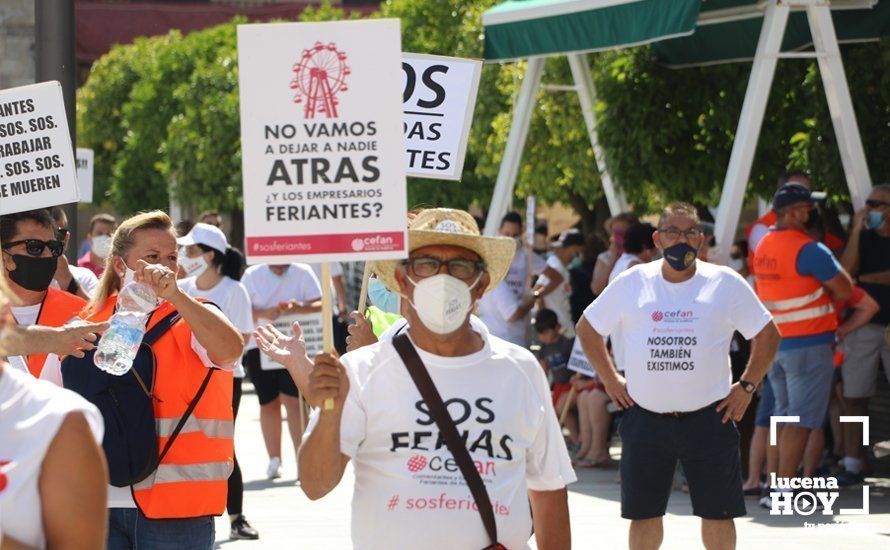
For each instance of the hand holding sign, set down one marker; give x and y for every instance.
(328, 382)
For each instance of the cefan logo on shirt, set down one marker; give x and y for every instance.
(416, 463)
(677, 316)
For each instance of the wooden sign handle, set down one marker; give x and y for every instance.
(363, 297)
(327, 316)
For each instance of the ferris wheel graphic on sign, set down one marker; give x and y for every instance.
(319, 76)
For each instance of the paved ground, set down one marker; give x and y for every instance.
(285, 518)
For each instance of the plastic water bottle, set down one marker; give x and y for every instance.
(118, 347)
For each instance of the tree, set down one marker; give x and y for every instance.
(100, 103)
(162, 115)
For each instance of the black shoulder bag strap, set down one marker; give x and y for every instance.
(452, 438)
(150, 338)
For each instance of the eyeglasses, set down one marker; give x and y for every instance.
(874, 203)
(427, 266)
(62, 233)
(35, 247)
(672, 233)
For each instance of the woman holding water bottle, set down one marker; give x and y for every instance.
(174, 506)
(213, 270)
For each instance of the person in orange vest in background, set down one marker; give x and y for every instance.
(31, 253)
(757, 230)
(797, 280)
(174, 506)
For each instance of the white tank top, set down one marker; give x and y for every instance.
(31, 412)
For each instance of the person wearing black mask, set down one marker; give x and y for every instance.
(31, 253)
(676, 318)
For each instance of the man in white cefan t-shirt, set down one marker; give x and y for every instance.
(675, 318)
(409, 492)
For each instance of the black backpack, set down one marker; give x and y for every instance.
(130, 442)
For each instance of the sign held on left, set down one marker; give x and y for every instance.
(37, 168)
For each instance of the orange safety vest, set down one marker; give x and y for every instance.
(769, 220)
(799, 304)
(192, 479)
(58, 308)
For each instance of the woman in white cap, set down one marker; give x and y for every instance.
(213, 270)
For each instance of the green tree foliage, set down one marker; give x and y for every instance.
(162, 115)
(100, 105)
(669, 133)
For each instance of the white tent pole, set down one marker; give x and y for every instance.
(587, 96)
(522, 115)
(840, 105)
(750, 122)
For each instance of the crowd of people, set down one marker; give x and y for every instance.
(489, 330)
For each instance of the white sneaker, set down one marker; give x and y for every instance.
(274, 469)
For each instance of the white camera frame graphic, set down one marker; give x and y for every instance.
(774, 420)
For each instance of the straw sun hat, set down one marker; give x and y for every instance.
(445, 226)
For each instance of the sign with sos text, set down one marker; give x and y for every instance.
(37, 167)
(439, 97)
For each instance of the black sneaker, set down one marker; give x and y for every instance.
(242, 530)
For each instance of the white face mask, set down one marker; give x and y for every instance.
(193, 267)
(101, 245)
(442, 302)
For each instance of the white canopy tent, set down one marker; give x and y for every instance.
(688, 33)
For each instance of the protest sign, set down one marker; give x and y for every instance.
(439, 96)
(322, 141)
(578, 361)
(311, 325)
(85, 174)
(37, 167)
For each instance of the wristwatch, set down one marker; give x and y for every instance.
(748, 386)
(73, 286)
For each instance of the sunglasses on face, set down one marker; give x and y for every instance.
(460, 268)
(35, 247)
(874, 203)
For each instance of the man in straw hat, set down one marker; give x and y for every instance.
(409, 490)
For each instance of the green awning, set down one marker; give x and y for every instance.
(685, 32)
(523, 28)
(736, 39)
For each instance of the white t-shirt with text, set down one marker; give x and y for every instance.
(676, 336)
(408, 490)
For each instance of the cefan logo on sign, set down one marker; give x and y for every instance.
(319, 76)
(657, 316)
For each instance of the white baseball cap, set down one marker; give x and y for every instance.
(206, 234)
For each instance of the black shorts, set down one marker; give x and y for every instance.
(707, 449)
(269, 384)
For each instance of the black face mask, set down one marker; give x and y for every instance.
(680, 256)
(34, 274)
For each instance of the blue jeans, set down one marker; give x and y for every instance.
(128, 529)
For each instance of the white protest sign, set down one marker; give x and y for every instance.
(85, 165)
(36, 158)
(578, 361)
(311, 325)
(322, 141)
(439, 97)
